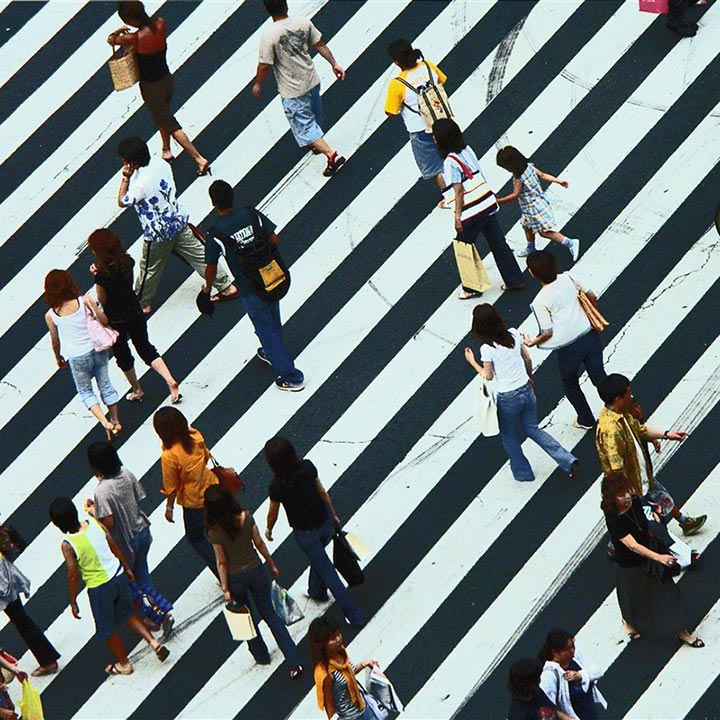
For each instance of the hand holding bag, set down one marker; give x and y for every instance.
(286, 608)
(346, 561)
(659, 7)
(227, 477)
(382, 690)
(103, 336)
(486, 409)
(239, 621)
(30, 706)
(473, 274)
(594, 316)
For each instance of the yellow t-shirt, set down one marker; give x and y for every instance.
(403, 101)
(187, 473)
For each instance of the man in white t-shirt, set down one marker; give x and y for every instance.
(563, 326)
(285, 46)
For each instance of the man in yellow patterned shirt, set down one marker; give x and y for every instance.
(620, 440)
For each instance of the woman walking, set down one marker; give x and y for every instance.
(568, 679)
(186, 477)
(650, 602)
(537, 215)
(475, 208)
(113, 271)
(236, 541)
(310, 512)
(12, 584)
(156, 82)
(527, 700)
(337, 689)
(71, 343)
(503, 356)
(416, 73)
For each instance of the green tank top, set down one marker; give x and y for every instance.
(95, 559)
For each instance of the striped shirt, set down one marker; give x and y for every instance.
(345, 709)
(479, 199)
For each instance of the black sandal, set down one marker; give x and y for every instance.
(696, 643)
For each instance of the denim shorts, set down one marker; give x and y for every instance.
(304, 114)
(427, 156)
(86, 367)
(111, 605)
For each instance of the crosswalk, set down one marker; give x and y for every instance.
(468, 569)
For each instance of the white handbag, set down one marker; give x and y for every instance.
(486, 409)
(239, 621)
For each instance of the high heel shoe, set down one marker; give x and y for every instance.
(204, 170)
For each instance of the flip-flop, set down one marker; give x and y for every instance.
(47, 670)
(220, 298)
(162, 653)
(177, 399)
(115, 670)
(132, 396)
(634, 635)
(469, 295)
(696, 643)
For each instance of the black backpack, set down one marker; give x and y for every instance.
(260, 260)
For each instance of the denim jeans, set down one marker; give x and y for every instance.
(520, 404)
(489, 226)
(256, 582)
(86, 367)
(587, 351)
(305, 115)
(193, 518)
(140, 545)
(265, 317)
(323, 575)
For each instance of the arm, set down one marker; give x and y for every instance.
(55, 340)
(459, 199)
(118, 553)
(108, 522)
(222, 566)
(655, 434)
(262, 549)
(210, 275)
(260, 77)
(127, 171)
(324, 50)
(121, 36)
(514, 195)
(551, 178)
(272, 517)
(486, 369)
(364, 664)
(101, 316)
(101, 294)
(544, 336)
(632, 544)
(326, 499)
(71, 568)
(171, 480)
(274, 239)
(527, 360)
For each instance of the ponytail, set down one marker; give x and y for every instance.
(404, 54)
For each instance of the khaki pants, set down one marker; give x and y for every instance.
(156, 254)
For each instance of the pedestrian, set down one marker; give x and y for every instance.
(505, 359)
(475, 211)
(7, 706)
(236, 541)
(149, 186)
(73, 347)
(564, 326)
(528, 701)
(149, 42)
(650, 602)
(418, 73)
(115, 505)
(185, 477)
(568, 678)
(537, 214)
(113, 272)
(336, 687)
(285, 46)
(13, 583)
(677, 17)
(90, 551)
(233, 229)
(621, 446)
(311, 514)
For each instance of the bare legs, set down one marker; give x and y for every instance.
(123, 666)
(184, 141)
(161, 368)
(322, 147)
(112, 425)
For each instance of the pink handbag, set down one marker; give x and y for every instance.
(659, 7)
(103, 336)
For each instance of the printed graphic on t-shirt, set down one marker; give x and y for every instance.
(293, 42)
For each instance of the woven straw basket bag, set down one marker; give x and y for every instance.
(124, 69)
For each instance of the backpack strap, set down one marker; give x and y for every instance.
(413, 88)
(468, 173)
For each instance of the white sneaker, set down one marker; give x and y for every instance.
(574, 249)
(529, 249)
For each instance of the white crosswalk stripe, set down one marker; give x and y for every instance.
(386, 415)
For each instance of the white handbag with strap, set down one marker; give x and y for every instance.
(239, 621)
(486, 409)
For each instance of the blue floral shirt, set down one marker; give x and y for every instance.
(151, 192)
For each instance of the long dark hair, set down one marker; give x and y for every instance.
(404, 54)
(524, 679)
(134, 11)
(221, 508)
(172, 427)
(282, 459)
(512, 160)
(320, 631)
(489, 328)
(59, 288)
(448, 137)
(109, 252)
(555, 641)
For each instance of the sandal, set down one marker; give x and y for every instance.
(167, 625)
(334, 163)
(521, 286)
(222, 297)
(296, 672)
(204, 169)
(634, 635)
(162, 653)
(115, 670)
(167, 156)
(133, 396)
(696, 643)
(469, 294)
(45, 670)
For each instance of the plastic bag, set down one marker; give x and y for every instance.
(284, 605)
(380, 688)
(30, 705)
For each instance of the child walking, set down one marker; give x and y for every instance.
(537, 215)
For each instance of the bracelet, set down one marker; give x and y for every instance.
(665, 434)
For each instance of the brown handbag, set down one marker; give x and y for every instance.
(227, 477)
(124, 69)
(595, 317)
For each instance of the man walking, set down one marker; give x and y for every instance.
(148, 185)
(285, 46)
(233, 229)
(621, 446)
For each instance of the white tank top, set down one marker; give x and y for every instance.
(74, 338)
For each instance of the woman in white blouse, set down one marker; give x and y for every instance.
(506, 359)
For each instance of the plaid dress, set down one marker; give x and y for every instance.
(534, 206)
